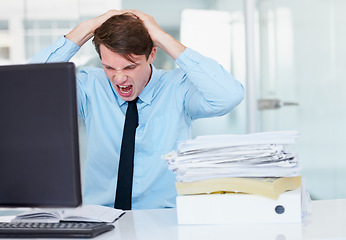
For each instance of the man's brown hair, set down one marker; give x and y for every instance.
(124, 34)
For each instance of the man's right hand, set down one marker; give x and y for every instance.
(85, 30)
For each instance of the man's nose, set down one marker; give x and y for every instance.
(119, 77)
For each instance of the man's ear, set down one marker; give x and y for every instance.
(152, 55)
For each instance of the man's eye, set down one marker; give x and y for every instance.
(108, 67)
(131, 67)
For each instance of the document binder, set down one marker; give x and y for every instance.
(239, 208)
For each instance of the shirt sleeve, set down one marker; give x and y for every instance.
(213, 91)
(60, 51)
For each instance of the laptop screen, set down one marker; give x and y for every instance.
(39, 149)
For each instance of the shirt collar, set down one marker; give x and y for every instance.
(146, 95)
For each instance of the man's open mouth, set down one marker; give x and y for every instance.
(125, 89)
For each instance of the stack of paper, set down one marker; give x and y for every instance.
(251, 155)
(260, 177)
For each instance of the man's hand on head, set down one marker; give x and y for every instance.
(160, 38)
(152, 26)
(85, 30)
(98, 21)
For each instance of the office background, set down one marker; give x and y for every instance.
(298, 59)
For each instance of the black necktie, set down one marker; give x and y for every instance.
(125, 173)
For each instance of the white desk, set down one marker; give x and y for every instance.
(326, 221)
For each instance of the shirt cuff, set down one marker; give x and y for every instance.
(188, 59)
(66, 48)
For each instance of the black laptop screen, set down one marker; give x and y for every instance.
(39, 151)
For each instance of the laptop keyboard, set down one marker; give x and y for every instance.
(53, 230)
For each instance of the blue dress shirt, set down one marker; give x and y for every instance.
(199, 88)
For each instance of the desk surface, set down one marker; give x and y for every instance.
(327, 220)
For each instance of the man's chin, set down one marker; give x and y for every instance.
(128, 99)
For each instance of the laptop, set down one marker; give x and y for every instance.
(39, 149)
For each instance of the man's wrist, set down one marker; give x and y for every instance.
(170, 45)
(81, 34)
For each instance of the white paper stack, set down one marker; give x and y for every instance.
(259, 155)
(251, 155)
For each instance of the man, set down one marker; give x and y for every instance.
(168, 101)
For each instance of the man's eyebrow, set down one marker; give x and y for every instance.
(132, 65)
(106, 65)
(128, 66)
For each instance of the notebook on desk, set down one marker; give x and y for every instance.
(39, 148)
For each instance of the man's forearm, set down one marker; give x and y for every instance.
(170, 45)
(80, 34)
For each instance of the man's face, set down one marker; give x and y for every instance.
(127, 78)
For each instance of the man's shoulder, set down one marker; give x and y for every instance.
(90, 70)
(89, 77)
(165, 76)
(93, 73)
(171, 82)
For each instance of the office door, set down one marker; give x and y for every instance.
(302, 69)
